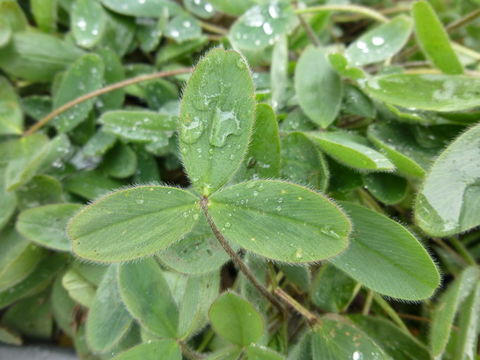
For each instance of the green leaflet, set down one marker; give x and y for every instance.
(78, 287)
(62, 307)
(168, 349)
(381, 42)
(183, 27)
(141, 285)
(337, 339)
(45, 225)
(88, 22)
(351, 150)
(147, 8)
(216, 120)
(263, 157)
(83, 76)
(303, 163)
(201, 8)
(466, 344)
(386, 257)
(434, 92)
(333, 290)
(139, 126)
(7, 199)
(280, 221)
(433, 39)
(11, 117)
(396, 343)
(108, 320)
(120, 162)
(318, 87)
(279, 73)
(36, 56)
(262, 25)
(132, 223)
(114, 72)
(236, 320)
(257, 352)
(45, 14)
(198, 252)
(448, 201)
(447, 307)
(90, 184)
(232, 7)
(387, 188)
(18, 258)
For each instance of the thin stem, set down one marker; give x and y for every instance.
(447, 248)
(365, 11)
(188, 352)
(105, 90)
(390, 311)
(238, 261)
(368, 303)
(463, 21)
(462, 250)
(213, 28)
(312, 319)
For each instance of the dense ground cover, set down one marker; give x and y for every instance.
(255, 179)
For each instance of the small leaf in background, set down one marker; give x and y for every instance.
(83, 76)
(13, 15)
(448, 306)
(236, 320)
(45, 225)
(142, 284)
(433, 39)
(18, 258)
(280, 220)
(448, 201)
(215, 127)
(387, 188)
(396, 343)
(303, 163)
(45, 14)
(168, 349)
(114, 72)
(232, 7)
(386, 257)
(146, 8)
(78, 287)
(88, 22)
(198, 252)
(351, 150)
(262, 25)
(108, 320)
(340, 64)
(35, 56)
(201, 8)
(337, 338)
(381, 42)
(434, 92)
(41, 190)
(355, 102)
(11, 117)
(120, 162)
(183, 28)
(8, 201)
(132, 223)
(319, 88)
(279, 73)
(333, 290)
(257, 352)
(139, 126)
(90, 184)
(263, 157)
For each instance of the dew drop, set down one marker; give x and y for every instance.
(225, 123)
(191, 131)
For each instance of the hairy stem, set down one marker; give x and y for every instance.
(312, 319)
(357, 9)
(102, 91)
(188, 352)
(368, 303)
(238, 261)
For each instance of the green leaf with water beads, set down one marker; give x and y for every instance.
(201, 8)
(216, 119)
(142, 284)
(83, 76)
(433, 39)
(434, 92)
(262, 25)
(279, 73)
(182, 28)
(108, 320)
(448, 306)
(386, 257)
(236, 320)
(198, 252)
(303, 163)
(169, 350)
(280, 221)
(319, 88)
(45, 225)
(448, 201)
(88, 22)
(11, 117)
(139, 126)
(380, 43)
(145, 8)
(132, 223)
(351, 150)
